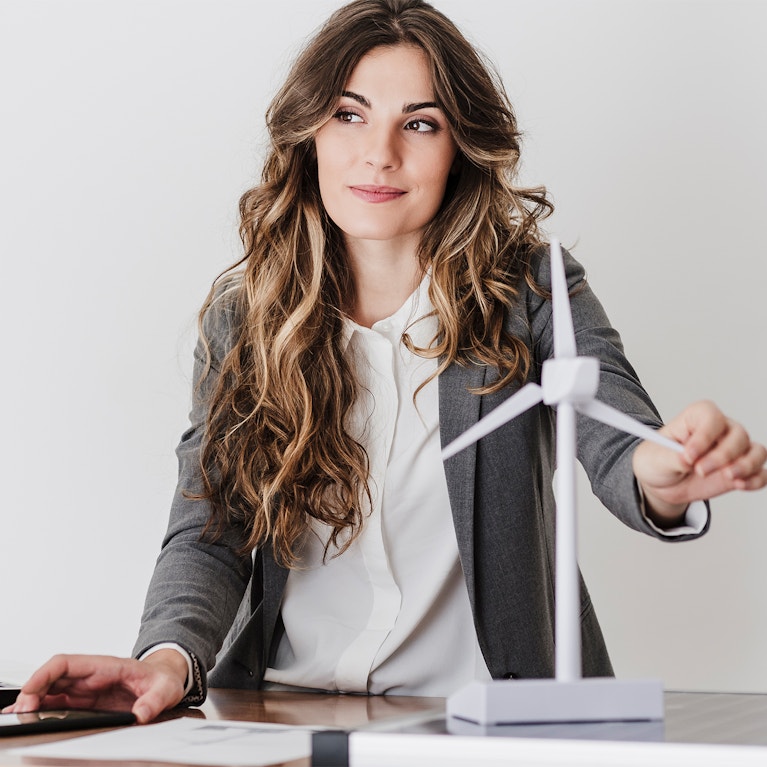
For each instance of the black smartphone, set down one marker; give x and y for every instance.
(8, 694)
(61, 719)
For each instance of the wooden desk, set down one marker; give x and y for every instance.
(345, 711)
(698, 718)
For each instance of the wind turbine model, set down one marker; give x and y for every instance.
(569, 383)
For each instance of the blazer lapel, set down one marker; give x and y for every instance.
(459, 409)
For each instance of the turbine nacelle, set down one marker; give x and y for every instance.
(573, 380)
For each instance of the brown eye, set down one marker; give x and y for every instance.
(347, 116)
(421, 126)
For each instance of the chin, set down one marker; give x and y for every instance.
(361, 230)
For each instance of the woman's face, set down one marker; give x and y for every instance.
(384, 157)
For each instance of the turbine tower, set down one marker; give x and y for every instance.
(568, 383)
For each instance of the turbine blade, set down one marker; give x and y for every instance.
(612, 417)
(564, 336)
(529, 395)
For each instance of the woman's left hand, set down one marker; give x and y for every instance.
(718, 456)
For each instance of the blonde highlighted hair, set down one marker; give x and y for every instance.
(276, 452)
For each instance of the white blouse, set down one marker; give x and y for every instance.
(391, 614)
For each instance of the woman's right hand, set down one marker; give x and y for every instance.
(145, 687)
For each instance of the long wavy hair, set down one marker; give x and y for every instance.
(277, 453)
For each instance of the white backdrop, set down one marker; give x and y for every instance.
(128, 130)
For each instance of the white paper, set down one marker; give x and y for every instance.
(406, 750)
(186, 740)
(14, 674)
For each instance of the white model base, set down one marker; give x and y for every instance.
(526, 701)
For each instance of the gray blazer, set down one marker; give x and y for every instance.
(225, 609)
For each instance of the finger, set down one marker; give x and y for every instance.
(657, 467)
(732, 444)
(151, 705)
(41, 680)
(751, 464)
(715, 484)
(755, 482)
(164, 693)
(63, 670)
(24, 702)
(698, 427)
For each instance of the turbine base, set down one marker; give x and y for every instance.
(528, 701)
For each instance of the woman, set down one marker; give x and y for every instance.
(393, 290)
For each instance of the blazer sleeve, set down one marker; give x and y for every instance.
(605, 452)
(197, 584)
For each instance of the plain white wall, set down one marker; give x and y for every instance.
(128, 130)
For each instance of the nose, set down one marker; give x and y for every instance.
(381, 150)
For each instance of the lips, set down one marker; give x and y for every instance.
(373, 193)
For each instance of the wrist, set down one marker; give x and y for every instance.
(663, 513)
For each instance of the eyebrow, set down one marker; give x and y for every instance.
(406, 109)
